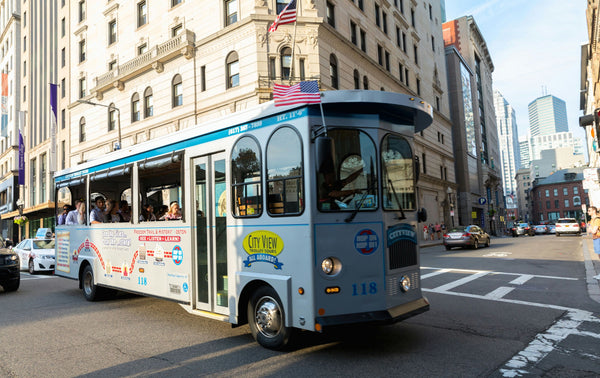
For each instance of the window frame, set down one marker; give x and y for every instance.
(260, 182)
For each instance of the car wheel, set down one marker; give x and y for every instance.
(31, 266)
(475, 244)
(557, 234)
(448, 248)
(12, 286)
(266, 319)
(489, 241)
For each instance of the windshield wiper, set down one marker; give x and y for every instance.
(402, 216)
(357, 208)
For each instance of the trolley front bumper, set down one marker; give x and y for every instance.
(389, 316)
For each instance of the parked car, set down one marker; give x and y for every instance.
(466, 236)
(540, 229)
(10, 276)
(567, 226)
(523, 229)
(36, 255)
(552, 229)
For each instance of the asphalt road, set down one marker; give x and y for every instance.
(519, 307)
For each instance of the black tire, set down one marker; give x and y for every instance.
(489, 241)
(557, 234)
(266, 318)
(91, 292)
(475, 244)
(448, 248)
(12, 285)
(31, 266)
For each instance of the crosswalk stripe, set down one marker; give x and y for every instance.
(499, 292)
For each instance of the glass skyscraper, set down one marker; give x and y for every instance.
(547, 115)
(510, 156)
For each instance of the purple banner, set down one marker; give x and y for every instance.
(21, 160)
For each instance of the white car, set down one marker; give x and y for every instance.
(37, 255)
(567, 226)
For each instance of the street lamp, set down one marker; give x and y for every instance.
(111, 106)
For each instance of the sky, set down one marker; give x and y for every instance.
(535, 46)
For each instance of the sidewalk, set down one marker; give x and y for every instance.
(592, 268)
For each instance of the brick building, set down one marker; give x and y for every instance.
(559, 195)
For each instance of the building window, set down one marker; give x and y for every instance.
(401, 72)
(361, 5)
(82, 87)
(547, 204)
(112, 65)
(63, 27)
(412, 18)
(82, 50)
(176, 30)
(63, 58)
(63, 153)
(63, 88)
(24, 93)
(384, 19)
(430, 12)
(233, 70)
(142, 49)
(377, 16)
(177, 91)
(148, 103)
(404, 42)
(246, 178)
(576, 201)
(272, 69)
(286, 62)
(281, 4)
(25, 43)
(424, 162)
(112, 32)
(82, 130)
(112, 117)
(33, 183)
(63, 120)
(356, 80)
(365, 83)
(387, 60)
(555, 192)
(203, 78)
(437, 103)
(142, 13)
(302, 69)
(566, 203)
(81, 8)
(380, 55)
(231, 7)
(575, 190)
(419, 87)
(556, 204)
(43, 169)
(333, 71)
(135, 108)
(363, 40)
(330, 14)
(547, 193)
(416, 51)
(432, 43)
(175, 2)
(353, 35)
(566, 191)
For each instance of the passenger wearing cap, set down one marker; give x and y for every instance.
(97, 213)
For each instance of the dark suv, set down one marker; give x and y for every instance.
(10, 275)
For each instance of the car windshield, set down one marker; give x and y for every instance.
(43, 244)
(523, 225)
(458, 229)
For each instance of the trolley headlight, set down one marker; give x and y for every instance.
(327, 265)
(331, 266)
(405, 283)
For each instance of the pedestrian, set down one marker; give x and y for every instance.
(431, 231)
(443, 227)
(425, 231)
(594, 230)
(438, 230)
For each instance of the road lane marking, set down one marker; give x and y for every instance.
(522, 279)
(460, 282)
(499, 292)
(457, 270)
(435, 273)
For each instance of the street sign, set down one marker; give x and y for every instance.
(482, 200)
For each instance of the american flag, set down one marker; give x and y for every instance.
(287, 16)
(305, 92)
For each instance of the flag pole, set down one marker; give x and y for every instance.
(294, 43)
(322, 114)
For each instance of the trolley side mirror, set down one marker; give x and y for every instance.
(324, 154)
(422, 215)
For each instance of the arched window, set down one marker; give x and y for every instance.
(246, 178)
(333, 71)
(286, 63)
(148, 103)
(356, 80)
(177, 91)
(112, 117)
(576, 201)
(135, 108)
(365, 83)
(233, 70)
(82, 129)
(285, 173)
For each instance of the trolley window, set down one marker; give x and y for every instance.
(398, 174)
(350, 183)
(285, 173)
(160, 188)
(245, 178)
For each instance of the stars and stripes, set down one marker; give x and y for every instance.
(305, 92)
(287, 16)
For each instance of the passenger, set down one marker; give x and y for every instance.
(62, 218)
(162, 210)
(147, 213)
(96, 215)
(174, 212)
(125, 211)
(81, 214)
(112, 214)
(73, 215)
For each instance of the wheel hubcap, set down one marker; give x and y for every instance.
(87, 283)
(268, 316)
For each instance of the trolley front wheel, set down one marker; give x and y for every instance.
(266, 318)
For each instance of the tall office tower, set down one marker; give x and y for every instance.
(547, 115)
(524, 151)
(510, 158)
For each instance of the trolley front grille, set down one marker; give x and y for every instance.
(402, 253)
